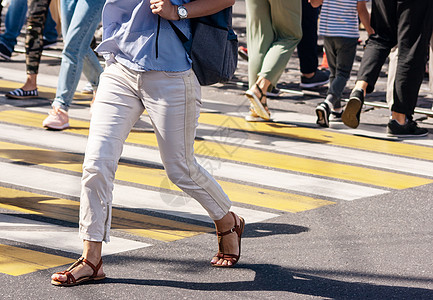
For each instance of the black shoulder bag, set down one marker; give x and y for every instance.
(213, 47)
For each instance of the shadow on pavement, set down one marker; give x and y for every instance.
(254, 230)
(276, 278)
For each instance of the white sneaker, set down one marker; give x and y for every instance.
(57, 119)
(88, 89)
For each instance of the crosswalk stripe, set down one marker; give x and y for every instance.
(77, 144)
(35, 179)
(258, 157)
(28, 231)
(157, 178)
(68, 210)
(17, 261)
(43, 91)
(319, 136)
(328, 152)
(262, 177)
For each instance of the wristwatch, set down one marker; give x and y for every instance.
(182, 12)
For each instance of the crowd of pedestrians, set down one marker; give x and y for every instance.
(137, 77)
(274, 31)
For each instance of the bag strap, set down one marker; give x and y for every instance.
(178, 32)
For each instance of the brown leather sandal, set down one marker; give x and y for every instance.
(233, 258)
(70, 279)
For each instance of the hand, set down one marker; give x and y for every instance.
(315, 3)
(370, 30)
(164, 9)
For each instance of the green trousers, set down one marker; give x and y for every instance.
(273, 31)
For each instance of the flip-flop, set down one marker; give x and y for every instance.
(22, 94)
(259, 107)
(71, 280)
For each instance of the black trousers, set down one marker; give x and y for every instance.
(307, 47)
(407, 24)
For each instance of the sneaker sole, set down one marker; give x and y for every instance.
(258, 106)
(64, 126)
(322, 120)
(255, 119)
(86, 92)
(243, 56)
(350, 113)
(407, 135)
(21, 97)
(315, 84)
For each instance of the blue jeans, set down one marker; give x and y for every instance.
(14, 21)
(80, 18)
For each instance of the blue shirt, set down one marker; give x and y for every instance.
(339, 18)
(132, 34)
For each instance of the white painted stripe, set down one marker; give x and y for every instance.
(126, 196)
(311, 120)
(392, 163)
(68, 241)
(16, 222)
(45, 80)
(272, 178)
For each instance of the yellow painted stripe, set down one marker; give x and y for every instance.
(68, 210)
(18, 261)
(44, 92)
(157, 178)
(319, 136)
(260, 157)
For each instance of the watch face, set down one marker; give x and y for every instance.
(182, 12)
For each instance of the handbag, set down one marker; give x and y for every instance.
(213, 47)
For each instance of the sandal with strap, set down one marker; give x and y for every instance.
(252, 116)
(22, 94)
(233, 258)
(70, 279)
(260, 108)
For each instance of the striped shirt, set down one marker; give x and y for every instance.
(339, 18)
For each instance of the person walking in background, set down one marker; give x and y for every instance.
(340, 28)
(307, 50)
(392, 67)
(136, 79)
(273, 32)
(311, 76)
(80, 18)
(14, 21)
(37, 13)
(408, 25)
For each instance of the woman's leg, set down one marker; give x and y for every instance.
(80, 27)
(273, 31)
(115, 111)
(260, 36)
(286, 23)
(173, 103)
(37, 14)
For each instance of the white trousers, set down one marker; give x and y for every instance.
(173, 101)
